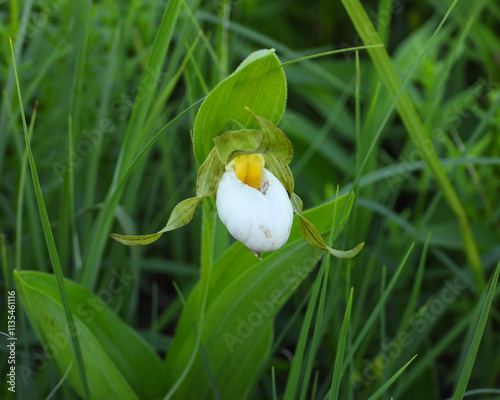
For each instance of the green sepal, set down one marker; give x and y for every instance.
(232, 144)
(181, 215)
(209, 175)
(269, 140)
(314, 238)
(281, 171)
(136, 240)
(297, 204)
(207, 181)
(274, 141)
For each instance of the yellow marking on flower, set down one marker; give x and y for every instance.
(248, 169)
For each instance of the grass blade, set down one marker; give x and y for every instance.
(131, 143)
(295, 372)
(476, 340)
(415, 293)
(273, 381)
(378, 308)
(51, 246)
(430, 356)
(337, 371)
(8, 89)
(386, 385)
(313, 348)
(389, 76)
(20, 196)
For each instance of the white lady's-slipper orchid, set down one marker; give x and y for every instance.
(256, 207)
(253, 204)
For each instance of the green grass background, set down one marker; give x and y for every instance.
(94, 102)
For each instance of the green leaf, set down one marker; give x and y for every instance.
(339, 357)
(235, 324)
(49, 238)
(135, 138)
(476, 340)
(298, 370)
(240, 288)
(417, 131)
(258, 83)
(119, 364)
(386, 385)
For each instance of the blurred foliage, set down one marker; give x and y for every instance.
(331, 123)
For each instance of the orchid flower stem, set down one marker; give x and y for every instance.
(207, 244)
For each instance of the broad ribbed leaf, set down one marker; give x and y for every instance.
(119, 364)
(258, 84)
(244, 295)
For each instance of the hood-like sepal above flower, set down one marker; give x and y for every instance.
(269, 140)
